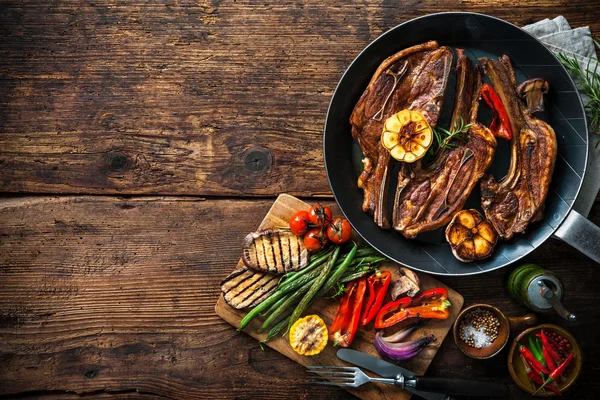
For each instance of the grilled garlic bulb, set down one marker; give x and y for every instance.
(407, 136)
(471, 236)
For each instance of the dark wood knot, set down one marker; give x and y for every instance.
(118, 161)
(257, 159)
(90, 374)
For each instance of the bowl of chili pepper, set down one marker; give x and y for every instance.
(544, 360)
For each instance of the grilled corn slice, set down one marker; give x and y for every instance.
(407, 136)
(308, 335)
(471, 236)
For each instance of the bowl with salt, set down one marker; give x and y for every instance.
(481, 331)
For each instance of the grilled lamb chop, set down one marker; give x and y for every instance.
(518, 199)
(414, 78)
(427, 198)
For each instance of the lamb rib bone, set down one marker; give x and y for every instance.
(428, 197)
(414, 78)
(518, 199)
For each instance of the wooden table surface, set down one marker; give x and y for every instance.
(140, 141)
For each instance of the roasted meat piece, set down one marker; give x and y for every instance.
(518, 199)
(414, 79)
(428, 197)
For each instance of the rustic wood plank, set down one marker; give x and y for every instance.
(116, 295)
(190, 97)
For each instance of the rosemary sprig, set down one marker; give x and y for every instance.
(447, 139)
(590, 85)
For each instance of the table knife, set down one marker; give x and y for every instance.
(408, 380)
(385, 369)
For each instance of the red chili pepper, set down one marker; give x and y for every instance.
(554, 375)
(537, 378)
(378, 287)
(552, 348)
(535, 364)
(549, 360)
(432, 304)
(346, 321)
(500, 125)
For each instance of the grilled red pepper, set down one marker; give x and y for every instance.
(554, 375)
(432, 304)
(535, 364)
(346, 321)
(500, 125)
(378, 287)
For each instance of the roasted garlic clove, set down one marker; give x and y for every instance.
(471, 236)
(407, 135)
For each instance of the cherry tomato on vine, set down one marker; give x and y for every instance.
(339, 231)
(320, 215)
(315, 239)
(299, 223)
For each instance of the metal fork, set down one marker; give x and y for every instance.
(347, 376)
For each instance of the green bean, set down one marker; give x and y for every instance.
(289, 302)
(315, 287)
(366, 251)
(339, 271)
(368, 260)
(296, 283)
(276, 329)
(268, 302)
(276, 296)
(273, 307)
(298, 274)
(350, 277)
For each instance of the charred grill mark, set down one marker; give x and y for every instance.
(291, 260)
(283, 263)
(275, 266)
(258, 285)
(236, 284)
(265, 253)
(299, 250)
(241, 287)
(233, 275)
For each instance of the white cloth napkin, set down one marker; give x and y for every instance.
(577, 43)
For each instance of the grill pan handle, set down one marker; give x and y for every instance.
(582, 234)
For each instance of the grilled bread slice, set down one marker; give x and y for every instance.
(274, 251)
(245, 288)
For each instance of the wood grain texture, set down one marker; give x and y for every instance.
(204, 97)
(116, 295)
(281, 211)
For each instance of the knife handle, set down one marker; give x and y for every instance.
(461, 387)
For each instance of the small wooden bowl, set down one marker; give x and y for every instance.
(506, 325)
(517, 370)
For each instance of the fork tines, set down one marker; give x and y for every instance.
(332, 375)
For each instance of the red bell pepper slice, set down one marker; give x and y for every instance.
(346, 321)
(378, 287)
(500, 125)
(432, 304)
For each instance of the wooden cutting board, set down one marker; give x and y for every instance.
(279, 214)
